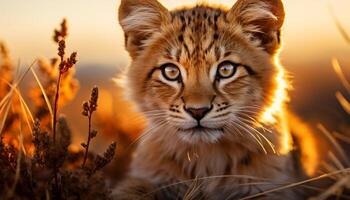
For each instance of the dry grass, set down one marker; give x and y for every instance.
(35, 162)
(340, 159)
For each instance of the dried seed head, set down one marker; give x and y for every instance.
(93, 99)
(36, 128)
(102, 161)
(86, 108)
(64, 28)
(71, 61)
(3, 51)
(64, 132)
(65, 65)
(62, 66)
(41, 141)
(54, 61)
(109, 154)
(56, 35)
(59, 36)
(93, 134)
(62, 33)
(73, 58)
(61, 48)
(84, 145)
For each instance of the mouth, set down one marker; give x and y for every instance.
(200, 128)
(200, 134)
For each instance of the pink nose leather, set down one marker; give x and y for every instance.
(198, 113)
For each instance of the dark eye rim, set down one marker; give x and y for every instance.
(164, 66)
(235, 65)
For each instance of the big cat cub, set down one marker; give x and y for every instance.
(209, 82)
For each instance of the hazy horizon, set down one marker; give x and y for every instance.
(310, 36)
(309, 31)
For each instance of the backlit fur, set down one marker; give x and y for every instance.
(234, 150)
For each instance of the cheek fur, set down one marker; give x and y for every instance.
(244, 92)
(237, 88)
(161, 92)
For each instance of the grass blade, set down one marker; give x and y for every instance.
(339, 26)
(340, 73)
(296, 184)
(43, 92)
(343, 102)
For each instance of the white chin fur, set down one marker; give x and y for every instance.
(195, 137)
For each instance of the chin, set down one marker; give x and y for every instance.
(201, 135)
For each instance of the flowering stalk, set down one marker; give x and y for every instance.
(88, 109)
(64, 66)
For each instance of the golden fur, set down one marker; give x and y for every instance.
(231, 150)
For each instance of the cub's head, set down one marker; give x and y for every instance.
(202, 73)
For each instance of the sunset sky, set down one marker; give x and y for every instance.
(310, 37)
(26, 27)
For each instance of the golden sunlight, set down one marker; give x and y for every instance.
(277, 109)
(69, 128)
(279, 98)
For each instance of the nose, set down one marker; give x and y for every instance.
(198, 113)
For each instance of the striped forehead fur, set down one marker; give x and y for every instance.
(146, 18)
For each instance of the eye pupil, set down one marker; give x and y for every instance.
(171, 72)
(226, 70)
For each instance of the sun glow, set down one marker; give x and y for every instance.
(279, 98)
(276, 111)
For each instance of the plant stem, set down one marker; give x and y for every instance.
(88, 141)
(54, 121)
(54, 124)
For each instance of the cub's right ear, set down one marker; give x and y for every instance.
(140, 19)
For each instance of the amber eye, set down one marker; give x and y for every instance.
(171, 72)
(226, 69)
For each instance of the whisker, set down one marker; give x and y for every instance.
(227, 127)
(253, 135)
(262, 135)
(257, 122)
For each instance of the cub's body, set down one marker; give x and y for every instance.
(206, 78)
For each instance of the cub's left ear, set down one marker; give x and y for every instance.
(261, 19)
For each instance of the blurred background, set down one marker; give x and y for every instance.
(311, 40)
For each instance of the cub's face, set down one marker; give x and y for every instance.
(202, 73)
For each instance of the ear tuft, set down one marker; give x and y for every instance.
(261, 19)
(140, 19)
